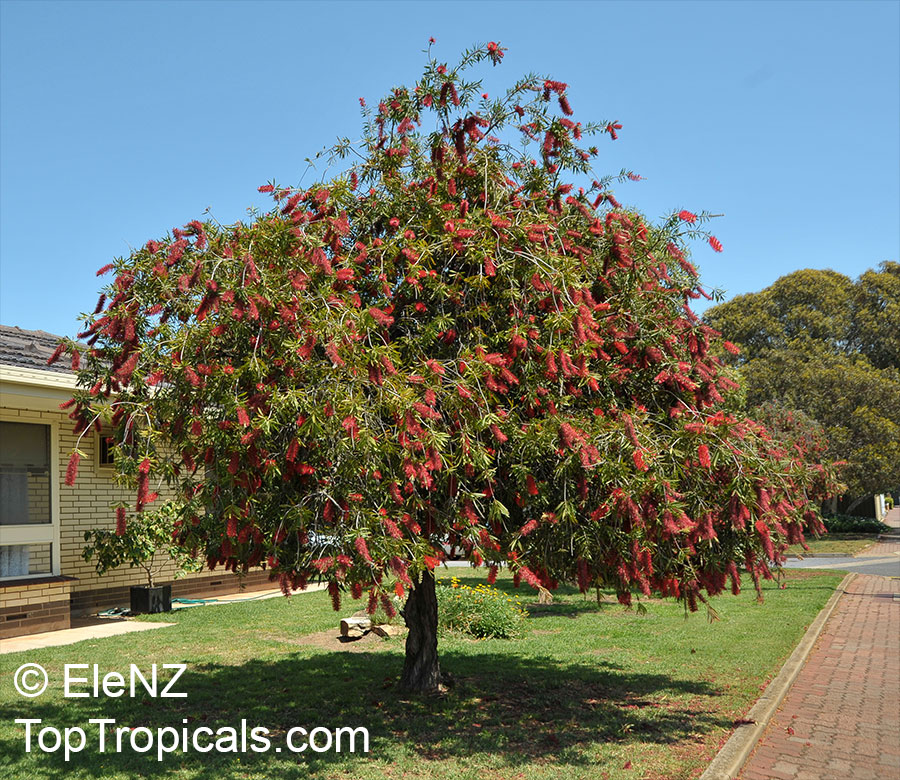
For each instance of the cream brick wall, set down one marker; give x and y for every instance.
(27, 595)
(86, 505)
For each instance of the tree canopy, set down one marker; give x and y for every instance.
(447, 342)
(822, 343)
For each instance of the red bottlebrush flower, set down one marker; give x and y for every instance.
(530, 526)
(763, 531)
(143, 492)
(242, 417)
(106, 269)
(703, 455)
(687, 216)
(531, 485)
(430, 561)
(715, 244)
(335, 592)
(389, 609)
(498, 434)
(72, 468)
(734, 350)
(492, 575)
(331, 351)
(120, 521)
(266, 188)
(530, 577)
(345, 275)
(392, 528)
(76, 360)
(568, 434)
(564, 105)
(292, 449)
(385, 320)
(350, 425)
(363, 549)
(638, 457)
(99, 307)
(56, 354)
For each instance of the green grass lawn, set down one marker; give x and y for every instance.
(847, 544)
(588, 692)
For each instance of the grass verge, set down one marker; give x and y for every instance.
(587, 692)
(847, 544)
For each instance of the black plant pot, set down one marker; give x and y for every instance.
(145, 599)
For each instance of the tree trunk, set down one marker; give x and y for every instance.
(849, 509)
(421, 673)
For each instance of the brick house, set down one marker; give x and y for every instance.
(44, 580)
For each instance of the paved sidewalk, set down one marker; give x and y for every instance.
(841, 718)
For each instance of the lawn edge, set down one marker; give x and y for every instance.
(730, 760)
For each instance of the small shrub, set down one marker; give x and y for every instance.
(482, 611)
(849, 524)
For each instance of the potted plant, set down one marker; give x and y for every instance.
(145, 541)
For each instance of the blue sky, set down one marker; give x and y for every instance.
(119, 121)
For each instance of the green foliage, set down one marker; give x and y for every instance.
(850, 524)
(144, 542)
(816, 341)
(482, 611)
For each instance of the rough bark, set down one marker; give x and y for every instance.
(421, 673)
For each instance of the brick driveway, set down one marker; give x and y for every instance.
(841, 718)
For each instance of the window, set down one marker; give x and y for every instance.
(105, 459)
(28, 531)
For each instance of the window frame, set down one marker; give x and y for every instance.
(102, 468)
(38, 533)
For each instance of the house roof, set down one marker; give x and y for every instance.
(30, 349)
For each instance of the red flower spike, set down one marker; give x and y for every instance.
(120, 521)
(72, 469)
(715, 244)
(363, 549)
(703, 456)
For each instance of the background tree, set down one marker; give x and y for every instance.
(447, 342)
(819, 342)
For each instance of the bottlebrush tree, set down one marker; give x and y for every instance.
(448, 343)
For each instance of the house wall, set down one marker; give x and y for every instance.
(28, 608)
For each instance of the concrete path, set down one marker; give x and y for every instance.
(68, 636)
(841, 717)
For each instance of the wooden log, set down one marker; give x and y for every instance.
(355, 626)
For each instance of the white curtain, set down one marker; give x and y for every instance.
(15, 560)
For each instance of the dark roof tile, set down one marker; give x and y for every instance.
(30, 349)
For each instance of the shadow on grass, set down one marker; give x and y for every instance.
(518, 710)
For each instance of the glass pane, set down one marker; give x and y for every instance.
(21, 560)
(24, 473)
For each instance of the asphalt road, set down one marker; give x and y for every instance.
(884, 566)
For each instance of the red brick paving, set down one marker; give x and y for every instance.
(841, 718)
